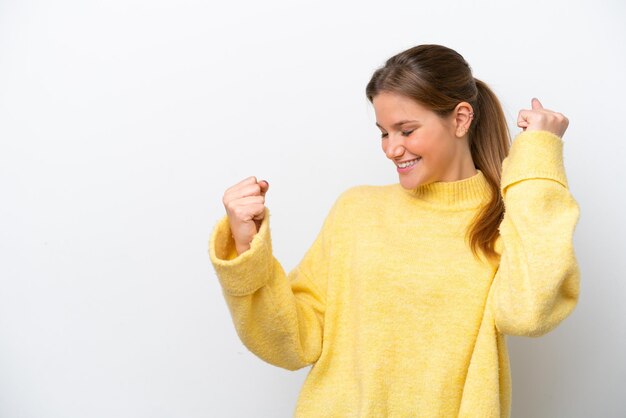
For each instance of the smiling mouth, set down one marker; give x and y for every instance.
(408, 163)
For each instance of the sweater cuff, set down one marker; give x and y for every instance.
(534, 154)
(241, 274)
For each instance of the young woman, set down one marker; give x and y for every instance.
(403, 301)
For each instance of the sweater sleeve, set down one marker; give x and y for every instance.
(536, 285)
(279, 317)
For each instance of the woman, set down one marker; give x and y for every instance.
(403, 300)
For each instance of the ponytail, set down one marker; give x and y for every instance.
(489, 144)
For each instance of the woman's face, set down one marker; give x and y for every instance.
(410, 131)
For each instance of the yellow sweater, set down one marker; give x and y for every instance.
(389, 306)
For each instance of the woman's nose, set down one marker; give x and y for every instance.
(395, 147)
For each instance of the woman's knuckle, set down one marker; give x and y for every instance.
(238, 211)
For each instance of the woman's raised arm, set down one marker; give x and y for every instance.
(537, 283)
(278, 316)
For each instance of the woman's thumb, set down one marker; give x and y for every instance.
(264, 186)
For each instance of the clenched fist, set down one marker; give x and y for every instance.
(539, 118)
(245, 205)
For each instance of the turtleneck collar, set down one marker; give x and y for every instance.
(466, 193)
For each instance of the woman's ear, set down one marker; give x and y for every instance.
(463, 116)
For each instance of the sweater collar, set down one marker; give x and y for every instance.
(466, 193)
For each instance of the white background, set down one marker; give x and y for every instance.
(122, 123)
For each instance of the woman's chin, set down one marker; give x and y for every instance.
(409, 184)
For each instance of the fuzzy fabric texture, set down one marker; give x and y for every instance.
(390, 307)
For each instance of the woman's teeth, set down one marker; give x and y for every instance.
(408, 163)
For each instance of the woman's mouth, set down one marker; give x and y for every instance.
(408, 165)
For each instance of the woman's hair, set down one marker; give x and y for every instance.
(439, 78)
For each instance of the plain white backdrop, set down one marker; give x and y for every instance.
(122, 123)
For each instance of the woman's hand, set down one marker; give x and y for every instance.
(540, 119)
(245, 205)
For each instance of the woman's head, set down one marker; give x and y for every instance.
(460, 126)
(411, 131)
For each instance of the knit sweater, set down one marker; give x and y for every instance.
(390, 307)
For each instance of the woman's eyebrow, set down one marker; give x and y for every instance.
(398, 123)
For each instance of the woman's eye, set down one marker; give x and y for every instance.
(404, 133)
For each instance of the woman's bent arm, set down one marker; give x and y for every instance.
(278, 316)
(537, 283)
